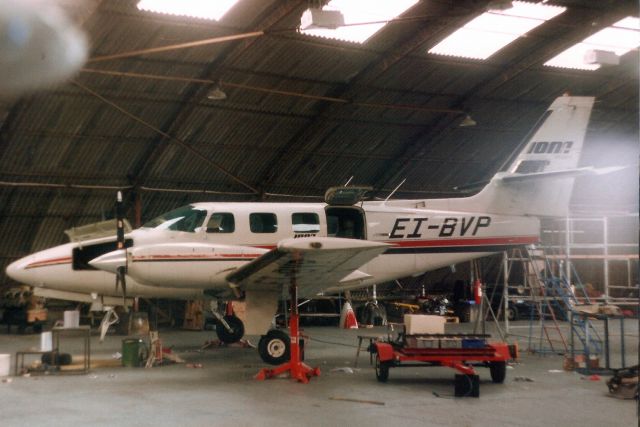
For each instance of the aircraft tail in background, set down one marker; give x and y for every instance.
(540, 179)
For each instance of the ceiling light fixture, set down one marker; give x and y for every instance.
(602, 48)
(360, 19)
(216, 93)
(467, 122)
(314, 18)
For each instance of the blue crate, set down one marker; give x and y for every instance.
(474, 343)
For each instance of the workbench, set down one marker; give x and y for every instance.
(83, 332)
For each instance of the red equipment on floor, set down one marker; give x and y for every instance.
(457, 351)
(298, 370)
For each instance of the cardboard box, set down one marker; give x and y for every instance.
(416, 324)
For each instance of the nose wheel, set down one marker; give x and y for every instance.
(232, 332)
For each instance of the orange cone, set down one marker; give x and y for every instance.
(348, 317)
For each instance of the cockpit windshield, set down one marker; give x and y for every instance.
(186, 218)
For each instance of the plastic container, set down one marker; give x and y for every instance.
(71, 319)
(46, 341)
(5, 365)
(134, 352)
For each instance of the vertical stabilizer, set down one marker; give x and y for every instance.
(540, 179)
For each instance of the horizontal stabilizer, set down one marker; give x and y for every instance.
(567, 173)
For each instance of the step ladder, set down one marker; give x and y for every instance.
(557, 297)
(536, 277)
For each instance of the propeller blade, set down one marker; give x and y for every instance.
(121, 276)
(119, 222)
(121, 269)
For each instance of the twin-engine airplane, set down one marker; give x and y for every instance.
(249, 251)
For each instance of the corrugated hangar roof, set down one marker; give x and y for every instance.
(302, 113)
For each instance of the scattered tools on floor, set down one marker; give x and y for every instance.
(346, 399)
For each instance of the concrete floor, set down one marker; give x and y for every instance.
(224, 393)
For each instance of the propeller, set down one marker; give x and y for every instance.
(121, 272)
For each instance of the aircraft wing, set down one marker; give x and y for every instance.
(316, 262)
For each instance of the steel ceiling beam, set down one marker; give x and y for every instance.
(461, 12)
(196, 92)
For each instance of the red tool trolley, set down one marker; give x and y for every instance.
(458, 351)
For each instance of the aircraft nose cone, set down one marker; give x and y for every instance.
(17, 271)
(110, 261)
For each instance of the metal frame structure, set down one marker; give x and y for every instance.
(577, 238)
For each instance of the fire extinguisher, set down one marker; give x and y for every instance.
(477, 291)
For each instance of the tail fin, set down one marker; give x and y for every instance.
(540, 179)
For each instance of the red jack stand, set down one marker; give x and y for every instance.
(298, 370)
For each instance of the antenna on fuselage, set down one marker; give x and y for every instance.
(348, 181)
(394, 190)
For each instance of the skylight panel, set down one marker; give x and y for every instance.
(619, 38)
(493, 30)
(361, 11)
(194, 8)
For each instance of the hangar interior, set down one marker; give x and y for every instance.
(249, 106)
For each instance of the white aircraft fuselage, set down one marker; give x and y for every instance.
(182, 261)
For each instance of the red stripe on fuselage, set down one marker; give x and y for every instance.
(193, 257)
(475, 241)
(48, 262)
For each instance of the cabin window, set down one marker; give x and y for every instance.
(186, 218)
(221, 222)
(305, 222)
(263, 223)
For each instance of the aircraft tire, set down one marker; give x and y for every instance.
(229, 337)
(275, 347)
(382, 370)
(498, 371)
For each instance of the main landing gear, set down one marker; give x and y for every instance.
(277, 347)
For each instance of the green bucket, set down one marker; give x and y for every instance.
(134, 352)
